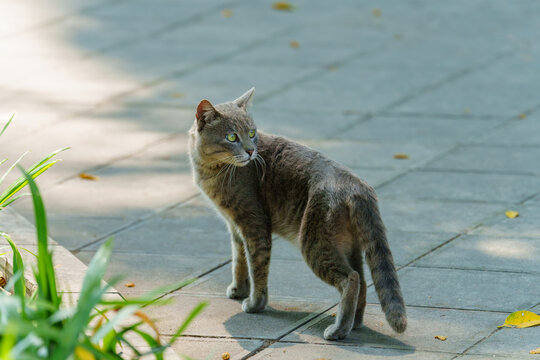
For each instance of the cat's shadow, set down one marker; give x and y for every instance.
(272, 324)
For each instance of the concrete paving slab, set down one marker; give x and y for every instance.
(510, 342)
(303, 124)
(191, 229)
(487, 253)
(318, 93)
(283, 283)
(466, 289)
(471, 92)
(375, 154)
(490, 357)
(489, 158)
(225, 82)
(518, 132)
(448, 185)
(150, 271)
(525, 225)
(282, 350)
(462, 329)
(420, 130)
(214, 348)
(224, 317)
(18, 228)
(432, 216)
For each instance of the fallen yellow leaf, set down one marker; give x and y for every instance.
(86, 176)
(225, 356)
(129, 284)
(440, 337)
(376, 12)
(522, 116)
(226, 13)
(3, 281)
(282, 6)
(537, 351)
(521, 319)
(295, 44)
(511, 214)
(401, 156)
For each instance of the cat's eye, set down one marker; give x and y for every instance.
(232, 137)
(251, 133)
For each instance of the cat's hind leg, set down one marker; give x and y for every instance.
(356, 262)
(329, 263)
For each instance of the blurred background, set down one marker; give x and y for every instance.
(433, 103)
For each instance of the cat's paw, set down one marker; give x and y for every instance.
(237, 291)
(333, 332)
(254, 304)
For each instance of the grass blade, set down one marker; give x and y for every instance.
(11, 167)
(45, 277)
(187, 321)
(7, 124)
(22, 182)
(19, 288)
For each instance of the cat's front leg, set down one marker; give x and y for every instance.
(258, 257)
(239, 287)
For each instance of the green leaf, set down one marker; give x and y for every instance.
(188, 320)
(11, 167)
(123, 314)
(18, 268)
(7, 124)
(46, 276)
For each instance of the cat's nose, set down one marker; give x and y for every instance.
(250, 152)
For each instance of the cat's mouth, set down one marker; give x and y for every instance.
(241, 163)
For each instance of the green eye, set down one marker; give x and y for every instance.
(232, 137)
(251, 133)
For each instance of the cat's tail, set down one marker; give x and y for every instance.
(379, 258)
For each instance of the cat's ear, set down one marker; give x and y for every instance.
(205, 114)
(243, 100)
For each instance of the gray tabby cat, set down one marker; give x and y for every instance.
(263, 184)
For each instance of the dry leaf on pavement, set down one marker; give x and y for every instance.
(440, 337)
(86, 176)
(537, 351)
(226, 13)
(295, 44)
(129, 284)
(225, 356)
(401, 156)
(282, 6)
(376, 12)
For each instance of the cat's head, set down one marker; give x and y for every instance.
(226, 133)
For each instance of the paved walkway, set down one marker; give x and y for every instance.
(453, 85)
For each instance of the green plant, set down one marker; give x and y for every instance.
(8, 196)
(41, 326)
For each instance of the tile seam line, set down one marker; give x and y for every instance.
(269, 343)
(473, 269)
(446, 116)
(134, 223)
(438, 84)
(178, 73)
